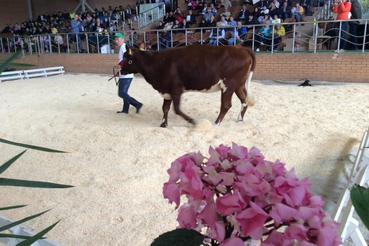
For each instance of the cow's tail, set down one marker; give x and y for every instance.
(250, 98)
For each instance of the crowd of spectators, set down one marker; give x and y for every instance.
(97, 21)
(200, 13)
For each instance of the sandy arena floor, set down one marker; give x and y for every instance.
(118, 162)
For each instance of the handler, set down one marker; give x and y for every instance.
(124, 80)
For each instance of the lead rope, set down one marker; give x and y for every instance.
(115, 77)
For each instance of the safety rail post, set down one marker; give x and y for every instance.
(38, 38)
(339, 36)
(364, 38)
(293, 38)
(253, 38)
(50, 45)
(272, 48)
(109, 42)
(68, 44)
(98, 44)
(87, 46)
(316, 35)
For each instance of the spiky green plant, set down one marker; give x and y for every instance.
(25, 183)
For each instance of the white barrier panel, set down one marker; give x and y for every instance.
(43, 72)
(24, 231)
(30, 73)
(349, 227)
(11, 75)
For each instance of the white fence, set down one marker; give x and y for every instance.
(30, 73)
(349, 227)
(23, 231)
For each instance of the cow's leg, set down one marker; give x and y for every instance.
(241, 94)
(176, 102)
(166, 107)
(226, 104)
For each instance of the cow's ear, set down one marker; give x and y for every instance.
(130, 49)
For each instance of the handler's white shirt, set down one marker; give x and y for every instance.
(122, 50)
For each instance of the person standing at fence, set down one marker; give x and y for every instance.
(124, 80)
(77, 24)
(342, 9)
(355, 15)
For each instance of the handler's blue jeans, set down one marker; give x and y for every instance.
(123, 87)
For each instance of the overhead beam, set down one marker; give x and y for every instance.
(83, 4)
(30, 16)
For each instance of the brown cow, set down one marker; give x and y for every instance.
(195, 68)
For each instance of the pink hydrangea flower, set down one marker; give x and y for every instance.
(235, 195)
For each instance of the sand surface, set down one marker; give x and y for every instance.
(118, 162)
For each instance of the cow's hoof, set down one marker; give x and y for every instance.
(163, 125)
(192, 121)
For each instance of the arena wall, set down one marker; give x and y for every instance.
(345, 67)
(16, 11)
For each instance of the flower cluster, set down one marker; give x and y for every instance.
(236, 196)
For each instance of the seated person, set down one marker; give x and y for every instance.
(213, 10)
(232, 22)
(223, 21)
(306, 5)
(264, 10)
(165, 38)
(216, 34)
(184, 25)
(285, 11)
(191, 18)
(242, 16)
(238, 34)
(251, 21)
(211, 22)
(297, 12)
(160, 26)
(203, 24)
(208, 14)
(276, 19)
(274, 10)
(169, 25)
(279, 32)
(175, 27)
(264, 32)
(226, 13)
(265, 19)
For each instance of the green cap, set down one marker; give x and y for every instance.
(119, 35)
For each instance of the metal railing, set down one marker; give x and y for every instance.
(150, 15)
(295, 40)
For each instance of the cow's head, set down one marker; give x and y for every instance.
(129, 65)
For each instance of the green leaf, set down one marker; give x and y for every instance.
(179, 237)
(7, 62)
(38, 236)
(31, 184)
(8, 226)
(15, 64)
(220, 218)
(360, 199)
(12, 207)
(11, 161)
(31, 146)
(4, 235)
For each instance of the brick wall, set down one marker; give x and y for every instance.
(346, 67)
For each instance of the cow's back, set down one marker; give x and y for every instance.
(199, 67)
